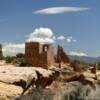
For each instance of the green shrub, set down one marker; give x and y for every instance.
(10, 59)
(20, 59)
(21, 62)
(20, 55)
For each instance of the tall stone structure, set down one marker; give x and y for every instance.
(62, 57)
(1, 54)
(39, 55)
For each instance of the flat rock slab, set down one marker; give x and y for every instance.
(9, 74)
(88, 75)
(8, 91)
(13, 74)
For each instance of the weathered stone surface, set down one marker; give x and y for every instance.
(1, 54)
(13, 74)
(29, 76)
(83, 77)
(40, 55)
(9, 74)
(89, 75)
(9, 92)
(98, 75)
(70, 76)
(62, 56)
(43, 81)
(51, 93)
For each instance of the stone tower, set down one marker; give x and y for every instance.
(1, 54)
(62, 57)
(39, 55)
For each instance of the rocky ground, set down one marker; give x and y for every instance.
(10, 74)
(8, 91)
(13, 79)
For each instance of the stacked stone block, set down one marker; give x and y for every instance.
(39, 55)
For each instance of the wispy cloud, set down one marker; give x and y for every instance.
(61, 37)
(66, 39)
(78, 54)
(58, 10)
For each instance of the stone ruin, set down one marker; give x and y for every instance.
(1, 54)
(62, 57)
(39, 55)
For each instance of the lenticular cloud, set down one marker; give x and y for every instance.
(58, 10)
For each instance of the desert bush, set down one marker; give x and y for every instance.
(21, 62)
(20, 55)
(77, 66)
(9, 59)
(20, 59)
(80, 93)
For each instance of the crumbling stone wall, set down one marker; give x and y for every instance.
(62, 56)
(1, 54)
(39, 55)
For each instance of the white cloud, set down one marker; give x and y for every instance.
(13, 49)
(67, 39)
(74, 40)
(61, 37)
(78, 53)
(57, 10)
(42, 35)
(70, 39)
(54, 37)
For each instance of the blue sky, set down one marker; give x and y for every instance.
(18, 20)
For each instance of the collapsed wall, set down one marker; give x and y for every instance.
(1, 54)
(62, 56)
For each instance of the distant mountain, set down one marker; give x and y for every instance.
(85, 59)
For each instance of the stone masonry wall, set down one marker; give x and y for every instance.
(39, 55)
(62, 56)
(1, 54)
